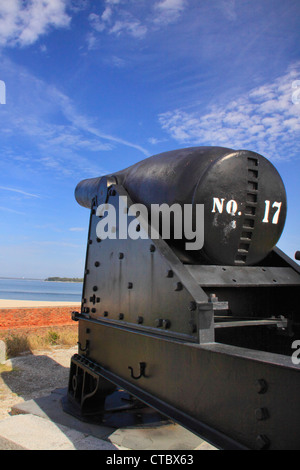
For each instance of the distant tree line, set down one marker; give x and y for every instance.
(64, 279)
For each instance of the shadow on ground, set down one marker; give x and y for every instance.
(42, 380)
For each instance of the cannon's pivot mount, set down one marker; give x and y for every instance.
(95, 400)
(196, 342)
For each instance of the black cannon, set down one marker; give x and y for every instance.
(201, 324)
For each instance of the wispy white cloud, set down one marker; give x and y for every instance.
(265, 120)
(49, 227)
(13, 211)
(86, 124)
(78, 5)
(91, 41)
(228, 8)
(22, 23)
(129, 25)
(60, 138)
(57, 243)
(122, 18)
(155, 140)
(77, 229)
(168, 11)
(19, 191)
(122, 22)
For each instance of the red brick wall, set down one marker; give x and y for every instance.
(11, 318)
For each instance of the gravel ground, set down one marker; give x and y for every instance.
(36, 375)
(33, 375)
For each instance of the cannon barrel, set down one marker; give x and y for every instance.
(243, 196)
(164, 178)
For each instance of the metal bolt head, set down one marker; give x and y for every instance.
(261, 414)
(178, 286)
(261, 386)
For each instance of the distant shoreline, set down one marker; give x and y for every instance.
(74, 282)
(64, 279)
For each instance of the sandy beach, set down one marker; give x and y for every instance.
(5, 303)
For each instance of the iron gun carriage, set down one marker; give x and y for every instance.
(202, 334)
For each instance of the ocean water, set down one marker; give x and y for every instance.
(28, 289)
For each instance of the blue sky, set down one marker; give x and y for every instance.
(95, 86)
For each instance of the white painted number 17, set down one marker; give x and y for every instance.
(276, 205)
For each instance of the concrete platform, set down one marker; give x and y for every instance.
(30, 432)
(41, 424)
